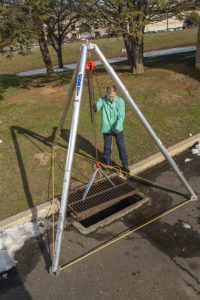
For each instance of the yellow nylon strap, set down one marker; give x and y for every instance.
(53, 204)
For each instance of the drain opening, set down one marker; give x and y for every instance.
(102, 215)
(104, 203)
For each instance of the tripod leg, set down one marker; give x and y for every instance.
(67, 103)
(69, 160)
(145, 123)
(89, 185)
(102, 172)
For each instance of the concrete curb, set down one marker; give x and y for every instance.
(45, 209)
(158, 157)
(38, 212)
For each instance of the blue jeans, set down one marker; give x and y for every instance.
(120, 145)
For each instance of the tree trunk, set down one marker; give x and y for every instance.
(45, 55)
(197, 63)
(134, 47)
(59, 54)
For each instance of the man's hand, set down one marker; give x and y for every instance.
(94, 107)
(114, 132)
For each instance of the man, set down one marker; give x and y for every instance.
(112, 117)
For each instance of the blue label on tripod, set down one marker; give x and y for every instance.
(80, 76)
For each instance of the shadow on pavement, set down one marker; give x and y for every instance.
(14, 287)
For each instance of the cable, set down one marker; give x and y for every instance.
(53, 233)
(117, 169)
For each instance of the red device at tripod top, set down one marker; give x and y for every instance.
(90, 64)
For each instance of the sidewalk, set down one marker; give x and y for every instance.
(150, 54)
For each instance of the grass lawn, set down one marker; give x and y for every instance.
(110, 47)
(168, 94)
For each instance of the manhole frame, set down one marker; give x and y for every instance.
(116, 216)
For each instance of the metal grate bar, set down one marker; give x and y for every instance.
(101, 195)
(95, 188)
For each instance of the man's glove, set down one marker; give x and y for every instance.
(94, 107)
(114, 132)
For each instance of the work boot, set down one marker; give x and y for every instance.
(126, 170)
(105, 165)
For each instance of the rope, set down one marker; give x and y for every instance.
(123, 236)
(91, 101)
(85, 157)
(117, 169)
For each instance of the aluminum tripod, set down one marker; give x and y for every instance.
(72, 140)
(92, 179)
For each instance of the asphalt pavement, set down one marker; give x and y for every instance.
(159, 261)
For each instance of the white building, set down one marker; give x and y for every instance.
(87, 31)
(165, 25)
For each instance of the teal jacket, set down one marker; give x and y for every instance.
(115, 113)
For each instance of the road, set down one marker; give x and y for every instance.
(159, 261)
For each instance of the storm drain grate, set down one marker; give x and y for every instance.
(101, 196)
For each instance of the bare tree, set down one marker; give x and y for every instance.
(129, 18)
(64, 18)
